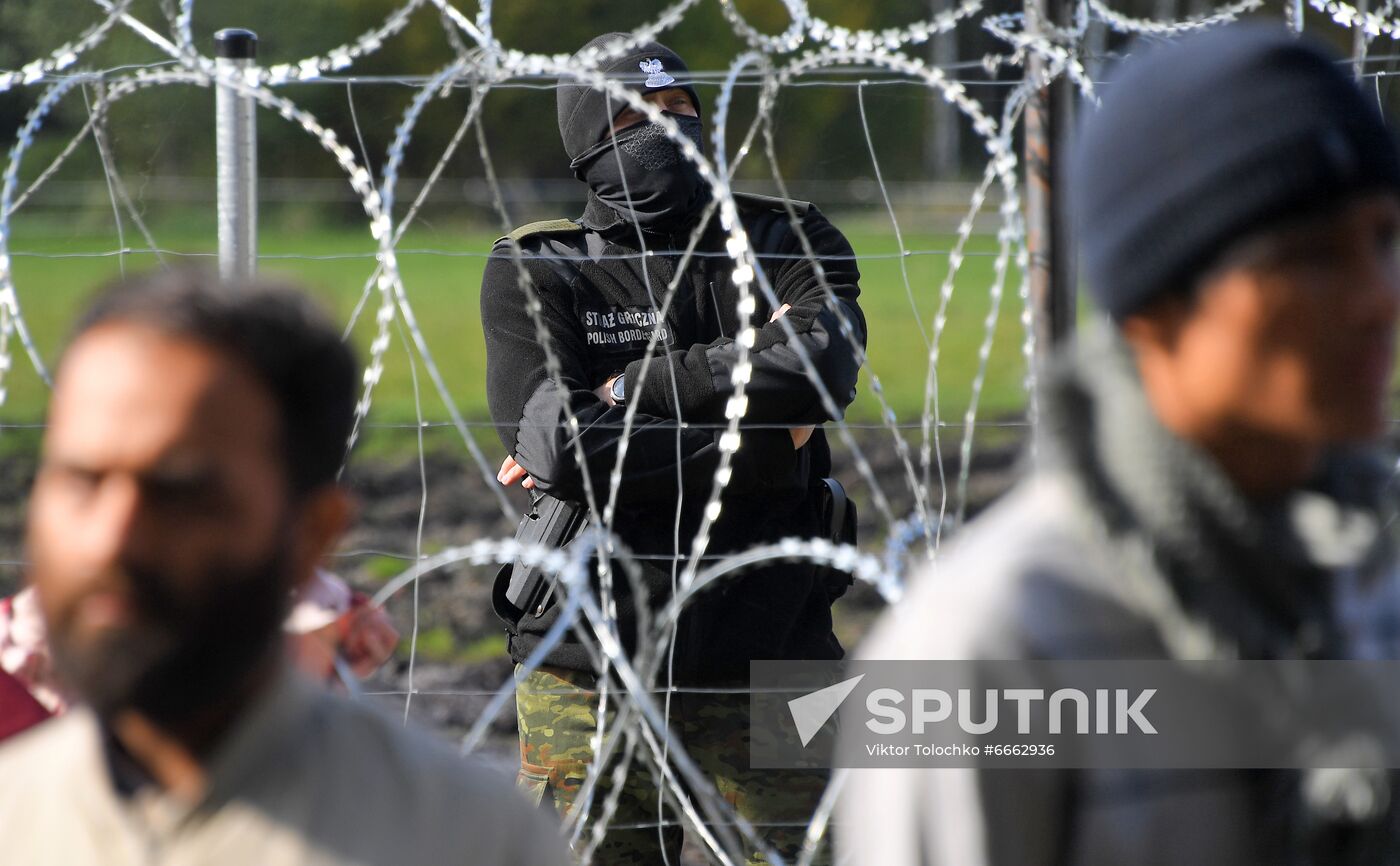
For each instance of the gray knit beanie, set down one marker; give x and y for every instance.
(1201, 141)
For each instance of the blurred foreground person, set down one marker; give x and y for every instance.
(24, 650)
(187, 488)
(331, 624)
(19, 710)
(328, 623)
(1205, 489)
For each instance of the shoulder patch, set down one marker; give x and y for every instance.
(544, 227)
(753, 201)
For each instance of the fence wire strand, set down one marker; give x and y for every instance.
(809, 53)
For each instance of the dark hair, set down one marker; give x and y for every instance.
(284, 339)
(1268, 246)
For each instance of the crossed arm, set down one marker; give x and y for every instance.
(818, 297)
(531, 407)
(512, 472)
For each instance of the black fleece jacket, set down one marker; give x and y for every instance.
(599, 294)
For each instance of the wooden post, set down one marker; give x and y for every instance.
(1049, 119)
(943, 144)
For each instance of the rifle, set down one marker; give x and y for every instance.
(521, 588)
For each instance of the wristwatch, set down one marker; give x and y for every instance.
(618, 389)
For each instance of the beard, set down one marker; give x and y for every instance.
(184, 651)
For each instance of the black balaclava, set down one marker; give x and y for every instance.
(638, 173)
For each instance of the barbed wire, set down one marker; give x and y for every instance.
(809, 52)
(687, 425)
(470, 254)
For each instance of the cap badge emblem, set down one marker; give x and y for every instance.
(656, 76)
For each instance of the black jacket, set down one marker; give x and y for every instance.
(599, 298)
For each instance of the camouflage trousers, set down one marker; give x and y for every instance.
(557, 711)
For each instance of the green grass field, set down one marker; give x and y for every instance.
(443, 289)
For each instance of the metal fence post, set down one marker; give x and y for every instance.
(237, 134)
(1049, 118)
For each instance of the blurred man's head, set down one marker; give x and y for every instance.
(1237, 201)
(187, 486)
(628, 161)
(1292, 333)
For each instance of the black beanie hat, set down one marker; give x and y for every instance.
(584, 117)
(1201, 141)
